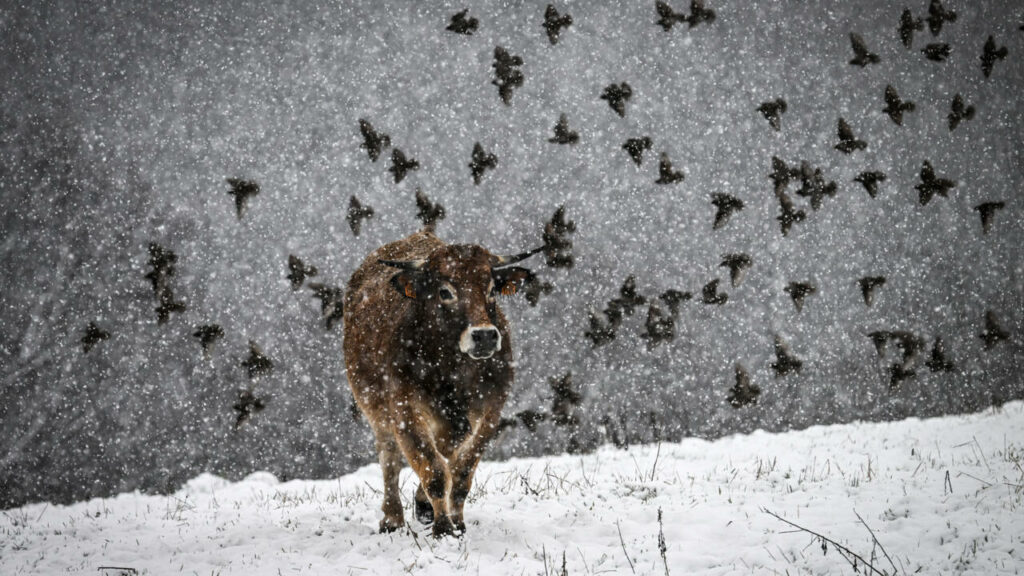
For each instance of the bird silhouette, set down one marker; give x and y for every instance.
(430, 213)
(373, 142)
(93, 336)
(737, 265)
(937, 52)
(710, 294)
(781, 174)
(247, 406)
(557, 244)
(861, 55)
(789, 214)
(257, 364)
(460, 24)
(937, 15)
(567, 399)
(726, 206)
(162, 261)
(242, 190)
(482, 161)
(987, 211)
(990, 54)
(938, 361)
(673, 299)
(602, 329)
(332, 302)
(562, 133)
(993, 333)
(931, 185)
(298, 271)
(667, 17)
(743, 392)
(814, 186)
(554, 22)
(880, 338)
(772, 111)
(870, 181)
(898, 373)
(617, 96)
(659, 327)
(868, 284)
(847, 142)
(635, 148)
(627, 301)
(508, 77)
(785, 361)
(167, 305)
(400, 165)
(894, 106)
(208, 335)
(698, 13)
(666, 174)
(908, 24)
(959, 112)
(798, 291)
(356, 214)
(534, 288)
(910, 345)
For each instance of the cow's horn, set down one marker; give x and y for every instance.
(498, 261)
(404, 264)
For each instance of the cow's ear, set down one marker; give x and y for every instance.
(508, 281)
(408, 283)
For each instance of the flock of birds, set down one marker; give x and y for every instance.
(663, 310)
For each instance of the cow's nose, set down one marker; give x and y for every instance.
(485, 338)
(480, 342)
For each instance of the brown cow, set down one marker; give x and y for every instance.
(430, 364)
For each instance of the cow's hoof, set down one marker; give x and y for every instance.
(443, 527)
(460, 526)
(388, 525)
(424, 512)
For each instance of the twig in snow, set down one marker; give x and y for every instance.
(873, 537)
(662, 548)
(947, 484)
(623, 542)
(825, 539)
(655, 466)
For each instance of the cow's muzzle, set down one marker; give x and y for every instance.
(480, 342)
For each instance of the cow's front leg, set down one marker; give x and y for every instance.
(466, 459)
(416, 443)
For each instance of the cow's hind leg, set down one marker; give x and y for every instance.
(424, 511)
(390, 465)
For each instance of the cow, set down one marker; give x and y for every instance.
(430, 364)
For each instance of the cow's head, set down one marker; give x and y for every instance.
(456, 288)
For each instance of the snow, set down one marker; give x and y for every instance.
(941, 496)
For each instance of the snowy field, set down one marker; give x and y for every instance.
(939, 496)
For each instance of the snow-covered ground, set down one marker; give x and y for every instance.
(935, 496)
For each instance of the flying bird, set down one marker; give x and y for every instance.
(298, 271)
(936, 52)
(601, 330)
(534, 288)
(781, 174)
(208, 336)
(937, 15)
(508, 77)
(482, 161)
(635, 148)
(737, 265)
(987, 211)
(430, 213)
(726, 205)
(673, 299)
(814, 186)
(373, 142)
(908, 24)
(162, 260)
(666, 174)
(868, 284)
(870, 180)
(895, 107)
(167, 305)
(847, 141)
(990, 54)
(557, 246)
(567, 399)
(562, 133)
(247, 406)
(993, 333)
(617, 96)
(667, 17)
(356, 214)
(772, 111)
(898, 373)
(931, 185)
(554, 22)
(93, 336)
(861, 55)
(659, 327)
(743, 392)
(789, 215)
(460, 24)
(785, 361)
(627, 301)
(910, 345)
(257, 364)
(242, 190)
(879, 338)
(698, 13)
(938, 361)
(959, 112)
(710, 294)
(400, 165)
(798, 291)
(332, 302)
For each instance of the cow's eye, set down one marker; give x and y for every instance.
(445, 294)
